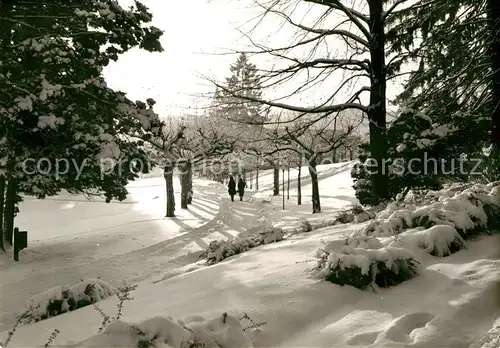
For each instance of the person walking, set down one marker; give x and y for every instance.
(231, 188)
(241, 188)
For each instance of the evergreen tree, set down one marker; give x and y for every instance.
(55, 103)
(238, 103)
(241, 87)
(446, 105)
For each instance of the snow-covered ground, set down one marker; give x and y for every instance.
(72, 237)
(335, 186)
(453, 301)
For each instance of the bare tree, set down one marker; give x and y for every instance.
(357, 69)
(314, 141)
(204, 142)
(165, 147)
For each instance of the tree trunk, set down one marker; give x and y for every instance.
(2, 197)
(168, 174)
(299, 186)
(315, 187)
(288, 184)
(377, 107)
(276, 175)
(494, 21)
(190, 182)
(351, 155)
(183, 179)
(257, 179)
(10, 205)
(250, 178)
(334, 156)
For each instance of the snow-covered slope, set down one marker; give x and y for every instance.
(447, 305)
(452, 302)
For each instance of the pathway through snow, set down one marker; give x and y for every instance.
(121, 244)
(129, 241)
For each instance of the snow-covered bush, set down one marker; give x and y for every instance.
(317, 224)
(361, 268)
(219, 250)
(305, 226)
(470, 211)
(220, 332)
(62, 299)
(364, 242)
(439, 240)
(308, 226)
(361, 214)
(345, 217)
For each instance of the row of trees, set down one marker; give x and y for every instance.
(265, 138)
(444, 53)
(55, 106)
(55, 102)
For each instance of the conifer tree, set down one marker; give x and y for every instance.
(237, 103)
(446, 109)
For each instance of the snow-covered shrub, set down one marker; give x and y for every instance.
(397, 221)
(305, 226)
(361, 268)
(357, 209)
(62, 299)
(363, 217)
(220, 332)
(317, 224)
(345, 217)
(364, 242)
(439, 240)
(49, 303)
(219, 250)
(270, 235)
(470, 211)
(91, 291)
(308, 226)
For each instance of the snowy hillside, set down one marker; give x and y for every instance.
(452, 302)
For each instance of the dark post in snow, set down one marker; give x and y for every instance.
(283, 184)
(20, 242)
(288, 182)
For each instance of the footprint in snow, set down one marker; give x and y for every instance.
(401, 328)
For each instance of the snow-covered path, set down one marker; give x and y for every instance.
(72, 238)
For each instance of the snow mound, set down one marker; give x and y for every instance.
(262, 196)
(361, 268)
(470, 211)
(439, 240)
(62, 299)
(490, 339)
(222, 332)
(363, 328)
(365, 242)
